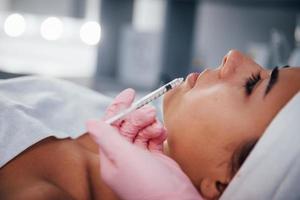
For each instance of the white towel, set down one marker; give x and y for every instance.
(34, 108)
(272, 170)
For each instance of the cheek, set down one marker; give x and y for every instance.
(195, 108)
(186, 127)
(182, 150)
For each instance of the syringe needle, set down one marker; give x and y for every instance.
(146, 99)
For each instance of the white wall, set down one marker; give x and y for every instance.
(148, 15)
(44, 7)
(221, 27)
(4, 5)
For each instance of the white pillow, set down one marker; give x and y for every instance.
(272, 170)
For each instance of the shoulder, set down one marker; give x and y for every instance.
(50, 169)
(40, 190)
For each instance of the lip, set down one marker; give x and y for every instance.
(191, 79)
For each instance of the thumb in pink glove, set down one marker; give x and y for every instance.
(135, 173)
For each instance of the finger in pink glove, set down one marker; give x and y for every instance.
(121, 102)
(141, 126)
(137, 121)
(152, 137)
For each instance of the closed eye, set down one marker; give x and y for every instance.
(251, 82)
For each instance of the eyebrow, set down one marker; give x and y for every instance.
(273, 80)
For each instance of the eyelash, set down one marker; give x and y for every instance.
(251, 82)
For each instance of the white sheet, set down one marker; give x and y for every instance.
(33, 108)
(272, 170)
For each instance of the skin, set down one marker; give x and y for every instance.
(207, 122)
(36, 174)
(201, 146)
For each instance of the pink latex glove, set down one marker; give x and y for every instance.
(134, 173)
(140, 127)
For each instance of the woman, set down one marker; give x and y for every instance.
(213, 119)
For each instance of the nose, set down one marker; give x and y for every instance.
(231, 62)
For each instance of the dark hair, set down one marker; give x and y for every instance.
(238, 158)
(240, 154)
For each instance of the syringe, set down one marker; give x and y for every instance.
(146, 99)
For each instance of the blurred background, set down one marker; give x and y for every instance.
(109, 45)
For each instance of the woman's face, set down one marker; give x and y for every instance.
(210, 115)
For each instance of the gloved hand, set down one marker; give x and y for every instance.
(140, 127)
(134, 173)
